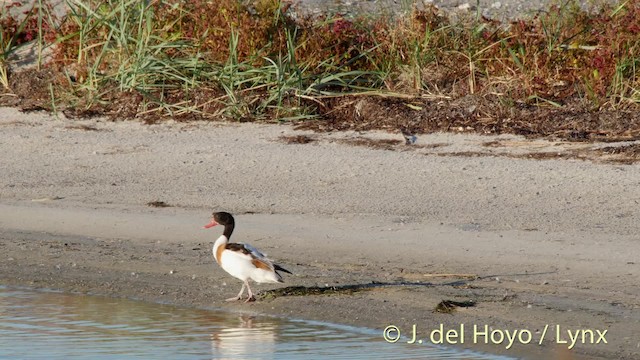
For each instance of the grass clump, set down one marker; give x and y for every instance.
(20, 27)
(262, 60)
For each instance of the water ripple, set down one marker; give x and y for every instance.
(52, 325)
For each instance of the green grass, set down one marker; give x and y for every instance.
(258, 63)
(9, 41)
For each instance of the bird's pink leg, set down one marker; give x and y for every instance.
(239, 296)
(250, 296)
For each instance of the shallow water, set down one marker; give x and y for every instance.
(53, 325)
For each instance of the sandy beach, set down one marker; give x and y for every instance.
(541, 246)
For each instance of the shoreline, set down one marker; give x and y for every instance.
(137, 265)
(550, 242)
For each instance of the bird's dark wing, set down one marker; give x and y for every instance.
(238, 247)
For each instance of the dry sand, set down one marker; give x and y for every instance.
(552, 242)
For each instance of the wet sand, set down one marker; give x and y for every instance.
(551, 242)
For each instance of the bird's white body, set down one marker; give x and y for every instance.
(242, 265)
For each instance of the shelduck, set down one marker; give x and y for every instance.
(242, 261)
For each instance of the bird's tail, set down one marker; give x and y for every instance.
(280, 268)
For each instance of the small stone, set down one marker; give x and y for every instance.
(193, 277)
(529, 306)
(172, 272)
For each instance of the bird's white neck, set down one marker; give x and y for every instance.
(222, 241)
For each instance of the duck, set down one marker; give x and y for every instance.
(240, 260)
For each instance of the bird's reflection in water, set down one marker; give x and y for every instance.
(249, 338)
